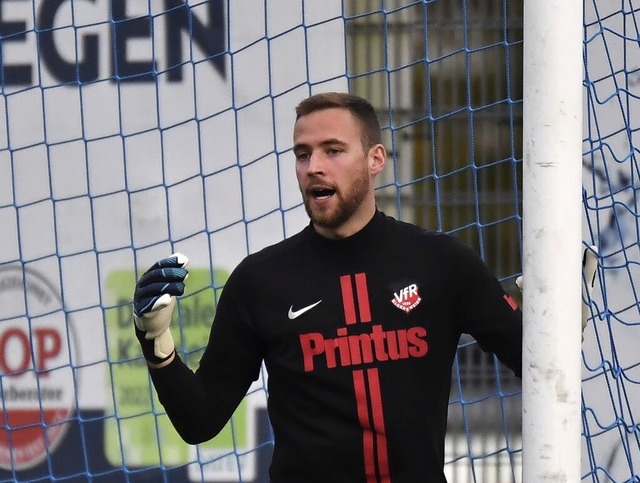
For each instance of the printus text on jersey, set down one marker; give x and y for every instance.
(354, 349)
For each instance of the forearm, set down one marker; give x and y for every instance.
(197, 407)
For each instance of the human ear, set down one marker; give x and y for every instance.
(377, 157)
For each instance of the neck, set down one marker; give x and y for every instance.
(352, 226)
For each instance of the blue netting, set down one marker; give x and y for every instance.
(134, 129)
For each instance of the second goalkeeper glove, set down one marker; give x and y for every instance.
(589, 266)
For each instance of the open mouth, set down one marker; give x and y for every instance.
(322, 193)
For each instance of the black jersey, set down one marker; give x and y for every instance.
(358, 337)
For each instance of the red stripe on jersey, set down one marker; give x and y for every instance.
(378, 424)
(367, 433)
(374, 438)
(348, 300)
(512, 303)
(363, 297)
(368, 393)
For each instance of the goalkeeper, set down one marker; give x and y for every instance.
(357, 319)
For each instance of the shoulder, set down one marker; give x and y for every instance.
(436, 246)
(273, 257)
(278, 250)
(412, 232)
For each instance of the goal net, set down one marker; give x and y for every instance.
(611, 373)
(131, 130)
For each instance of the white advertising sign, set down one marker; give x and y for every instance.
(130, 130)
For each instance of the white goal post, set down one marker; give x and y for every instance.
(552, 215)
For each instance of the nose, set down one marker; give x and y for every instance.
(315, 164)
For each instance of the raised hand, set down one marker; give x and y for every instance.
(153, 302)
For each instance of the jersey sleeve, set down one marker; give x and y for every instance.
(234, 350)
(486, 311)
(200, 403)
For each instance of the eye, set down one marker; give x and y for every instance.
(302, 156)
(333, 151)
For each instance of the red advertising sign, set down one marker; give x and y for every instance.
(36, 373)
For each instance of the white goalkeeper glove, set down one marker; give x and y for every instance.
(589, 266)
(153, 302)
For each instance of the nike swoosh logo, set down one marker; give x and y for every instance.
(293, 314)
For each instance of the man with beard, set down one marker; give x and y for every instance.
(356, 319)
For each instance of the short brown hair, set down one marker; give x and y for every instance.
(360, 108)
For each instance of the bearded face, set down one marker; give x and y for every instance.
(345, 203)
(335, 171)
